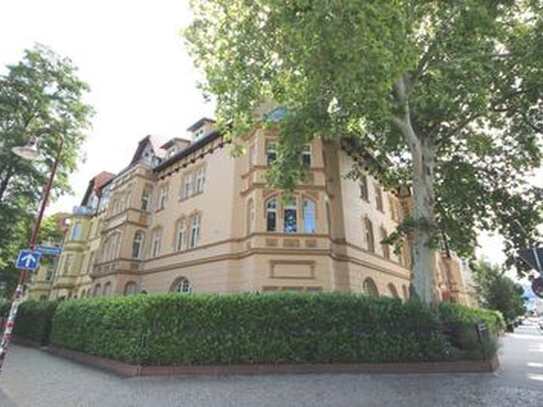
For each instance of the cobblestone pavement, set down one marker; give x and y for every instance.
(34, 379)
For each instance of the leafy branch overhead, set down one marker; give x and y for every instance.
(449, 94)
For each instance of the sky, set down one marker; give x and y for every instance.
(142, 80)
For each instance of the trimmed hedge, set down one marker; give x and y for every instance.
(171, 329)
(456, 314)
(34, 319)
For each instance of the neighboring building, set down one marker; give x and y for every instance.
(40, 281)
(189, 216)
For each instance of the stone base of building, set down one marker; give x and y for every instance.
(129, 370)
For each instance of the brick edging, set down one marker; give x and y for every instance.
(130, 370)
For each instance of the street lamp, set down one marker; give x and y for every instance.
(28, 152)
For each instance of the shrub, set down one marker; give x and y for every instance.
(460, 314)
(34, 320)
(250, 328)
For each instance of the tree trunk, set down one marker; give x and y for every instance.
(423, 215)
(422, 152)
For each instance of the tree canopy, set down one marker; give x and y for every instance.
(446, 96)
(40, 96)
(497, 291)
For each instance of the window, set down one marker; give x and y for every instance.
(385, 247)
(370, 241)
(271, 152)
(250, 216)
(378, 198)
(271, 215)
(290, 215)
(97, 290)
(194, 231)
(162, 197)
(130, 288)
(364, 188)
(393, 209)
(200, 180)
(76, 232)
(310, 222)
(306, 156)
(370, 288)
(137, 244)
(157, 240)
(146, 199)
(186, 191)
(180, 235)
(199, 133)
(107, 289)
(181, 286)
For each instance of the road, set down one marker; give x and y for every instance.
(34, 379)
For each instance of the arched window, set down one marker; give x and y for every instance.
(271, 215)
(137, 244)
(130, 288)
(385, 247)
(370, 288)
(310, 216)
(180, 234)
(392, 290)
(97, 290)
(370, 241)
(107, 289)
(156, 243)
(181, 285)
(250, 216)
(290, 216)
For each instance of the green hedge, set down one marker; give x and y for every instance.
(34, 319)
(460, 314)
(250, 328)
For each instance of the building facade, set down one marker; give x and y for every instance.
(190, 216)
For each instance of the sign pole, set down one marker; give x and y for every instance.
(18, 296)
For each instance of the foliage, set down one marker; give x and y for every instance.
(444, 97)
(40, 96)
(202, 329)
(497, 291)
(457, 314)
(34, 319)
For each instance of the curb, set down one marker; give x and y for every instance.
(130, 370)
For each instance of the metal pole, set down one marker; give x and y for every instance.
(18, 296)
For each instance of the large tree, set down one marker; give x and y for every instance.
(40, 96)
(445, 96)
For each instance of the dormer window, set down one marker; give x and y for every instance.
(199, 133)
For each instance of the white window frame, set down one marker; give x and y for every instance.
(156, 243)
(180, 235)
(194, 231)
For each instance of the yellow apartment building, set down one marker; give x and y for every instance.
(189, 216)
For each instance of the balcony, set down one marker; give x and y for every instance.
(116, 266)
(130, 215)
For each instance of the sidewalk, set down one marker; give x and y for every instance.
(34, 379)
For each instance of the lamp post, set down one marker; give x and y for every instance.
(28, 152)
